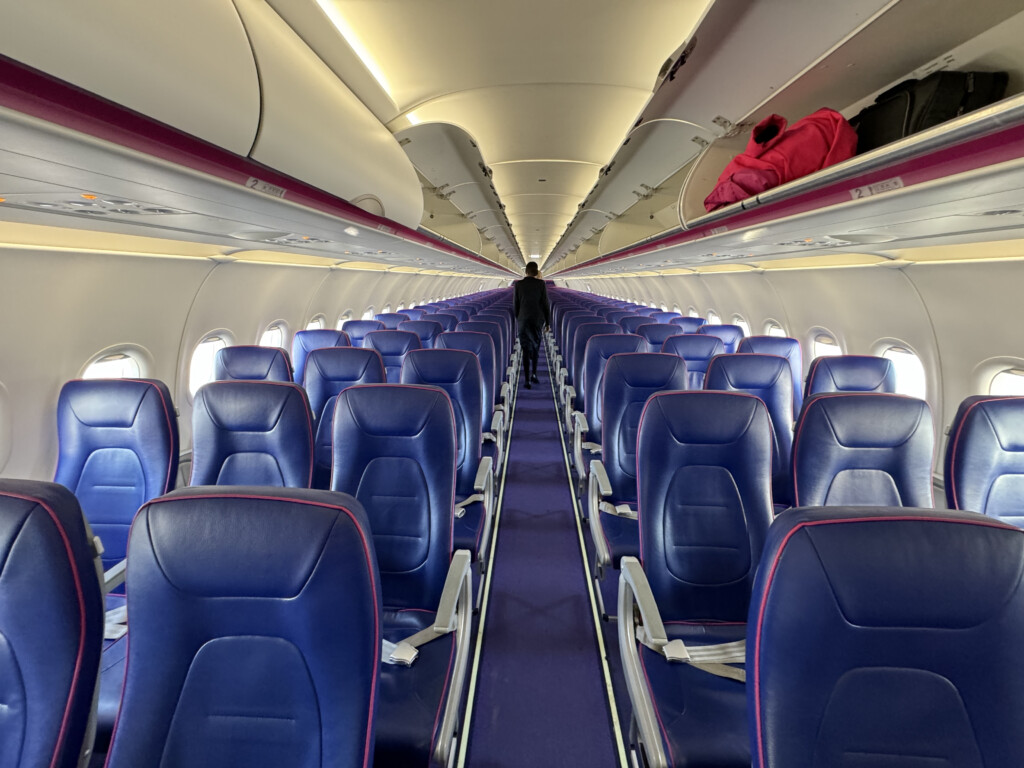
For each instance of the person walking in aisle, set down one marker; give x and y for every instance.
(533, 313)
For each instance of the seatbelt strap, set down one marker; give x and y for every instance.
(713, 659)
(405, 651)
(460, 508)
(619, 510)
(115, 623)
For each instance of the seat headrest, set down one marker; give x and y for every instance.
(116, 403)
(866, 419)
(656, 333)
(439, 366)
(251, 363)
(851, 373)
(708, 417)
(425, 329)
(729, 334)
(748, 371)
(393, 410)
(688, 324)
(306, 341)
(391, 319)
(392, 342)
(691, 346)
(357, 329)
(646, 370)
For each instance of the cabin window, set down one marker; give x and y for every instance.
(386, 310)
(664, 307)
(1008, 383)
(824, 345)
(345, 317)
(116, 365)
(771, 328)
(743, 324)
(676, 309)
(200, 369)
(273, 336)
(692, 312)
(318, 322)
(368, 313)
(910, 376)
(714, 318)
(400, 307)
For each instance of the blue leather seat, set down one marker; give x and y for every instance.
(426, 330)
(414, 313)
(117, 448)
(482, 345)
(698, 351)
(391, 320)
(255, 623)
(562, 319)
(606, 311)
(252, 433)
(657, 333)
(984, 465)
(887, 637)
(769, 378)
(357, 329)
(504, 321)
(583, 334)
(448, 322)
(395, 450)
(783, 346)
(617, 315)
(595, 357)
(863, 448)
(688, 324)
(731, 335)
(328, 371)
(461, 314)
(850, 373)
(392, 346)
(51, 626)
(704, 464)
(646, 311)
(251, 363)
(458, 373)
(664, 317)
(631, 323)
(629, 380)
(497, 338)
(305, 342)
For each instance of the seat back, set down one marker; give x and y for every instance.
(446, 321)
(617, 315)
(460, 313)
(252, 433)
(630, 323)
(426, 330)
(657, 333)
(251, 363)
(704, 500)
(583, 334)
(769, 378)
(731, 335)
(698, 351)
(255, 621)
(117, 448)
(595, 357)
(458, 373)
(984, 465)
(328, 371)
(504, 321)
(305, 342)
(912, 617)
(863, 448)
(394, 450)
(850, 373)
(688, 324)
(567, 317)
(391, 320)
(664, 317)
(493, 330)
(481, 345)
(357, 329)
(51, 626)
(392, 346)
(414, 313)
(783, 346)
(629, 380)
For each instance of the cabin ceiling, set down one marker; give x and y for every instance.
(548, 104)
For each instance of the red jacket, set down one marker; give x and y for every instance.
(775, 155)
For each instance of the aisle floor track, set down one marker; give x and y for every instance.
(539, 696)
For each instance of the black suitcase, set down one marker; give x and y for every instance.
(914, 105)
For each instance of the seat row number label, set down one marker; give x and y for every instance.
(265, 187)
(858, 193)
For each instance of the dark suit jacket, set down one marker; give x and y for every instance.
(531, 303)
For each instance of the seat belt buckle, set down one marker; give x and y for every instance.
(403, 654)
(675, 651)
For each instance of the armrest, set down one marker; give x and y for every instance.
(598, 487)
(568, 395)
(506, 391)
(497, 434)
(635, 592)
(114, 577)
(484, 485)
(455, 608)
(580, 427)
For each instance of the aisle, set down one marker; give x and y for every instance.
(540, 698)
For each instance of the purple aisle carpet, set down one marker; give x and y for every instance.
(540, 696)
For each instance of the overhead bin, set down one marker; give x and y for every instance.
(186, 63)
(315, 129)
